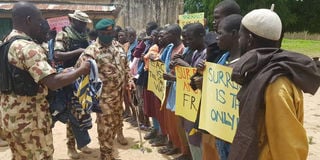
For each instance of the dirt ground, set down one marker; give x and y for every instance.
(312, 125)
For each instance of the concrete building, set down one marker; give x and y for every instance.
(135, 13)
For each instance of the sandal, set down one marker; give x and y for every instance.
(129, 119)
(144, 128)
(126, 115)
(155, 139)
(172, 151)
(134, 123)
(151, 135)
(163, 150)
(160, 142)
(152, 140)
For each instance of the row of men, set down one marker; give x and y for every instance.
(264, 71)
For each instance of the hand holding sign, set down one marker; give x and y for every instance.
(201, 66)
(156, 83)
(169, 77)
(187, 99)
(196, 81)
(180, 62)
(219, 113)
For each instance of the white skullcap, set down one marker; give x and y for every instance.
(264, 23)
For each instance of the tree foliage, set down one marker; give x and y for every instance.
(296, 15)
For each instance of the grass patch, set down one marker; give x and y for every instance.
(310, 140)
(308, 47)
(139, 147)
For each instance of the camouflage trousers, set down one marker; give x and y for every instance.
(76, 136)
(32, 145)
(71, 142)
(108, 124)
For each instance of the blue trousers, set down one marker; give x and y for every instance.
(223, 148)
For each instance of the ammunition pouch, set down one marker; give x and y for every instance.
(22, 82)
(12, 78)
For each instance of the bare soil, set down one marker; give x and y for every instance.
(129, 152)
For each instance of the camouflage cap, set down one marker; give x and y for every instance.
(80, 16)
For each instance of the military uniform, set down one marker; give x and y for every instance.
(114, 73)
(67, 40)
(25, 120)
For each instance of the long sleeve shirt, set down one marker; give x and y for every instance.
(153, 52)
(281, 132)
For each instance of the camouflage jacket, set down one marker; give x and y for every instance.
(25, 113)
(112, 64)
(68, 40)
(64, 39)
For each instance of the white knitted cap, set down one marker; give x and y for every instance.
(264, 23)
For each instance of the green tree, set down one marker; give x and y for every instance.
(308, 16)
(296, 15)
(281, 7)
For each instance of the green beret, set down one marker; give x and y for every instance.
(105, 24)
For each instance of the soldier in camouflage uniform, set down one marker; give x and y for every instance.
(69, 44)
(3, 143)
(25, 120)
(114, 72)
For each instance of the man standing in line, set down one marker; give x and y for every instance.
(69, 44)
(114, 73)
(271, 99)
(131, 37)
(194, 38)
(142, 48)
(215, 55)
(24, 112)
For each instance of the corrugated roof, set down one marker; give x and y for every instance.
(66, 7)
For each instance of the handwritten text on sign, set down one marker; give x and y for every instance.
(187, 100)
(58, 22)
(191, 18)
(219, 113)
(156, 83)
